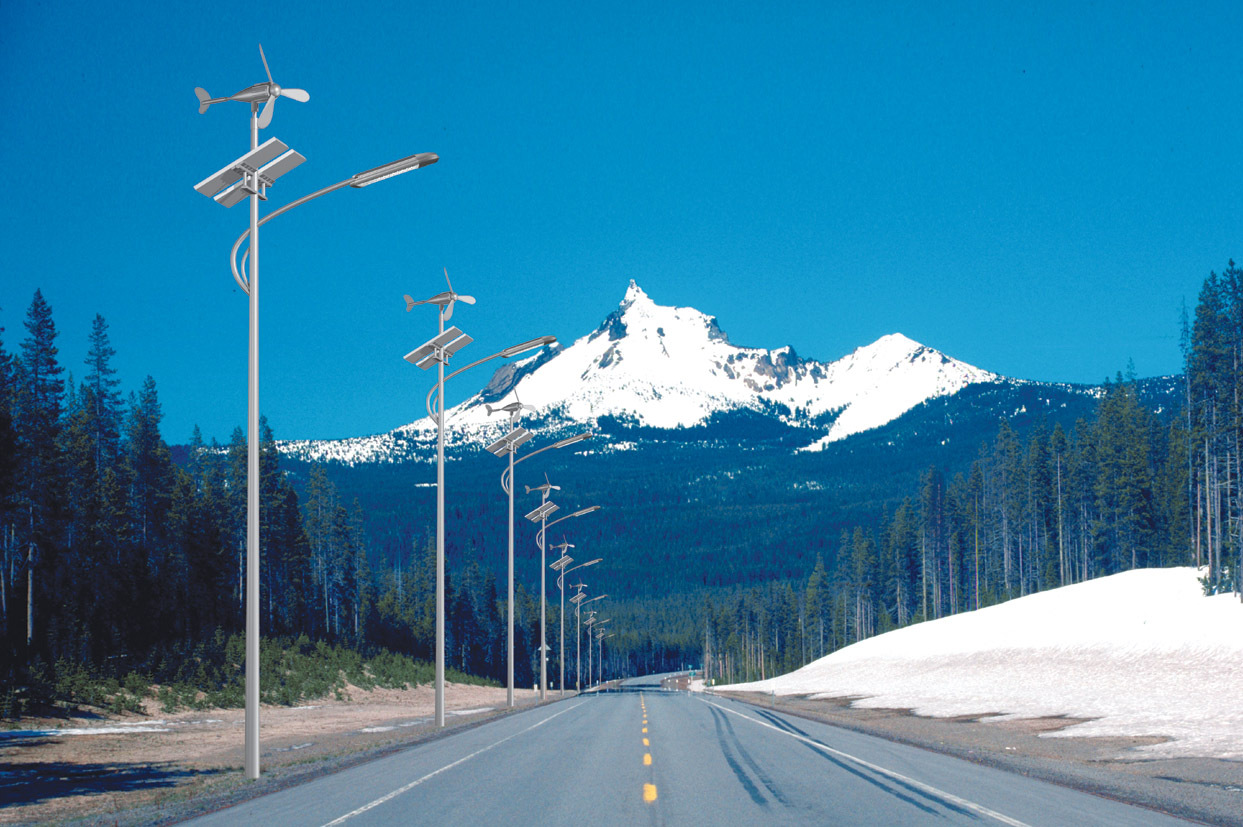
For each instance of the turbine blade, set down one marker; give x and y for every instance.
(265, 117)
(447, 280)
(449, 310)
(467, 299)
(264, 58)
(296, 94)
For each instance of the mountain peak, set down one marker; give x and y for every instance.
(897, 340)
(673, 367)
(635, 294)
(890, 346)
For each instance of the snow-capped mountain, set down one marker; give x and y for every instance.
(673, 367)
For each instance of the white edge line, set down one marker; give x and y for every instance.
(434, 773)
(928, 788)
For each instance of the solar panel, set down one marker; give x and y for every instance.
(235, 194)
(280, 166)
(451, 341)
(265, 153)
(446, 337)
(542, 512)
(509, 442)
(421, 355)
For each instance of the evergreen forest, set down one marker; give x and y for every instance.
(123, 556)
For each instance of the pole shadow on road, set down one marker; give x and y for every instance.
(38, 782)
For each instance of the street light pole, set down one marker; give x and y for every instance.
(591, 618)
(577, 599)
(252, 483)
(439, 350)
(541, 514)
(252, 174)
(560, 566)
(440, 534)
(600, 642)
(509, 603)
(543, 644)
(510, 443)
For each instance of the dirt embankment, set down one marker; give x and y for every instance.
(143, 768)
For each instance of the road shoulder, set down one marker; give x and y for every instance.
(1201, 789)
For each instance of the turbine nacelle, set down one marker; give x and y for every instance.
(513, 408)
(268, 91)
(445, 300)
(545, 488)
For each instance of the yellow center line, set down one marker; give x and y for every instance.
(649, 790)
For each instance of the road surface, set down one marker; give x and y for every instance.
(654, 757)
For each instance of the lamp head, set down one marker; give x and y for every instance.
(531, 345)
(407, 164)
(570, 440)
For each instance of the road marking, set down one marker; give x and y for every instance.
(645, 730)
(647, 759)
(390, 796)
(649, 793)
(928, 788)
(645, 743)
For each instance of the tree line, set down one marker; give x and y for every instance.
(114, 557)
(1126, 488)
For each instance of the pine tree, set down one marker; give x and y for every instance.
(8, 495)
(147, 473)
(816, 600)
(104, 402)
(38, 412)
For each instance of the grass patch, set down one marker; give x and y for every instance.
(212, 675)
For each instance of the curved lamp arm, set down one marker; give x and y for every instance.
(362, 179)
(513, 350)
(539, 535)
(582, 603)
(564, 572)
(570, 440)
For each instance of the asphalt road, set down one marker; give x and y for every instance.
(673, 758)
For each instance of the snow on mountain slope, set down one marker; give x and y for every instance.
(1143, 652)
(669, 367)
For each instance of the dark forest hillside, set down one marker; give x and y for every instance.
(723, 543)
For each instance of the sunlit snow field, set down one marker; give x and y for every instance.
(1142, 653)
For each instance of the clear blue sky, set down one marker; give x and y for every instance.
(1033, 188)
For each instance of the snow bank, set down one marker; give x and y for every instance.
(1142, 653)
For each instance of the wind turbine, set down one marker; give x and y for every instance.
(445, 300)
(513, 408)
(268, 92)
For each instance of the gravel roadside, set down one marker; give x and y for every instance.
(161, 768)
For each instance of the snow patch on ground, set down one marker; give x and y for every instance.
(1141, 653)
